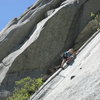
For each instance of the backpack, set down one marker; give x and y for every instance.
(65, 54)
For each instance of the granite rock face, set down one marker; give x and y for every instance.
(81, 81)
(32, 43)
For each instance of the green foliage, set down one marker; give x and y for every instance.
(97, 18)
(92, 14)
(25, 88)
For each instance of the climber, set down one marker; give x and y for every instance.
(71, 58)
(68, 57)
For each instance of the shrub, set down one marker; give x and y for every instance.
(25, 88)
(97, 18)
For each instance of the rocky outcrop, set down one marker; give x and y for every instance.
(86, 33)
(81, 81)
(32, 43)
